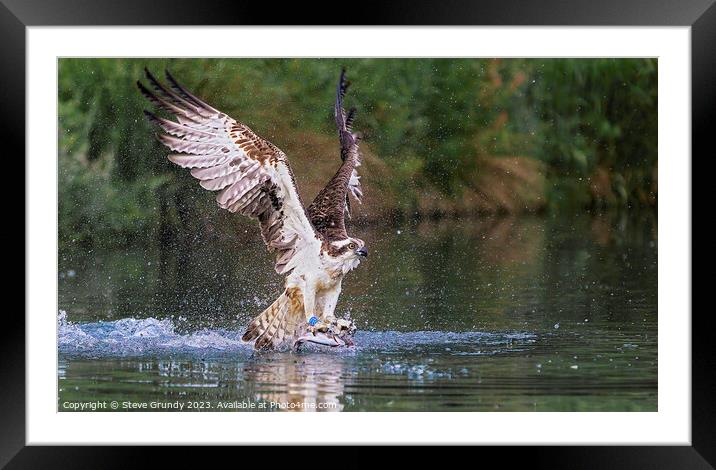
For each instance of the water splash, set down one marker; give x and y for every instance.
(142, 337)
(152, 337)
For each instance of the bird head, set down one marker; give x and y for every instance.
(350, 249)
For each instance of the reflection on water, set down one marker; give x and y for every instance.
(495, 314)
(310, 382)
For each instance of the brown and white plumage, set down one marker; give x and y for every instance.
(253, 177)
(326, 212)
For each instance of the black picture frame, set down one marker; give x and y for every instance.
(16, 15)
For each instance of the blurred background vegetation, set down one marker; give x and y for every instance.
(442, 138)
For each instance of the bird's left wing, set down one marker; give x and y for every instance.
(252, 175)
(331, 206)
(349, 140)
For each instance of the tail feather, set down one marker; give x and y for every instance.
(277, 324)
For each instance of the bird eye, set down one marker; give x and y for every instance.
(352, 246)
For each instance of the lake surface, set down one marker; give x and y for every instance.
(495, 314)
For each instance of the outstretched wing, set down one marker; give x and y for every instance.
(252, 175)
(332, 205)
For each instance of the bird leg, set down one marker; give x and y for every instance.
(309, 307)
(330, 299)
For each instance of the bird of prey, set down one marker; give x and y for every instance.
(254, 178)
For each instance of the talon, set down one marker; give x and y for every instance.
(329, 331)
(318, 326)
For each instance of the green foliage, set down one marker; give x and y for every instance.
(598, 114)
(92, 208)
(432, 122)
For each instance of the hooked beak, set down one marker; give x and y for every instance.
(362, 252)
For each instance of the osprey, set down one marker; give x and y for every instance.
(254, 178)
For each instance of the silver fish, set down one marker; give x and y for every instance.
(339, 333)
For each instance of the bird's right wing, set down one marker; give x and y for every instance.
(252, 175)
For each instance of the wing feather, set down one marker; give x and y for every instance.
(178, 100)
(252, 175)
(198, 161)
(217, 170)
(186, 94)
(173, 128)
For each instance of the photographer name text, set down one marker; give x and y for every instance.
(116, 405)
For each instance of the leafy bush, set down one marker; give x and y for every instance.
(598, 128)
(437, 126)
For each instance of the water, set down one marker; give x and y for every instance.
(526, 314)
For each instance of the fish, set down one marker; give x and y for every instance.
(339, 333)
